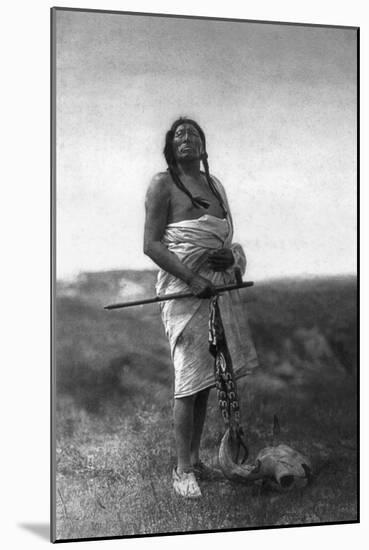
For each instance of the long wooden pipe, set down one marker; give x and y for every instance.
(177, 296)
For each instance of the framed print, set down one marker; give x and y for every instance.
(204, 369)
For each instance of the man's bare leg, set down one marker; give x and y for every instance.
(200, 404)
(183, 429)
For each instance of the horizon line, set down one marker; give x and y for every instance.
(76, 275)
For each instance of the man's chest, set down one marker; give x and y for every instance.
(181, 206)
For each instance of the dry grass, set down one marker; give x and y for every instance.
(115, 447)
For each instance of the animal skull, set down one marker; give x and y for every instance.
(280, 467)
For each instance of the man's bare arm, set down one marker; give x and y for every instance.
(157, 206)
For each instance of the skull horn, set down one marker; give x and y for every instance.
(231, 469)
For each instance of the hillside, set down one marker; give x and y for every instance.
(114, 393)
(301, 328)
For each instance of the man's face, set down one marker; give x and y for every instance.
(187, 144)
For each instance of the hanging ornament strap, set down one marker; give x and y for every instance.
(225, 382)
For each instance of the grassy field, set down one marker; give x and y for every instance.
(115, 446)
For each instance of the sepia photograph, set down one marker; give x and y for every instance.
(204, 263)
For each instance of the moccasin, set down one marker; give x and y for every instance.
(185, 484)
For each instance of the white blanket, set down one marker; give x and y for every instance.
(186, 321)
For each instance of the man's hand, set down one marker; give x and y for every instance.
(201, 287)
(221, 259)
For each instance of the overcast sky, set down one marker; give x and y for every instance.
(277, 104)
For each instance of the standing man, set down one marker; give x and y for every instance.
(188, 234)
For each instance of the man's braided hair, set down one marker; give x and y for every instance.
(172, 164)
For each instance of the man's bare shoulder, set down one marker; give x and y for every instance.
(160, 183)
(217, 181)
(159, 187)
